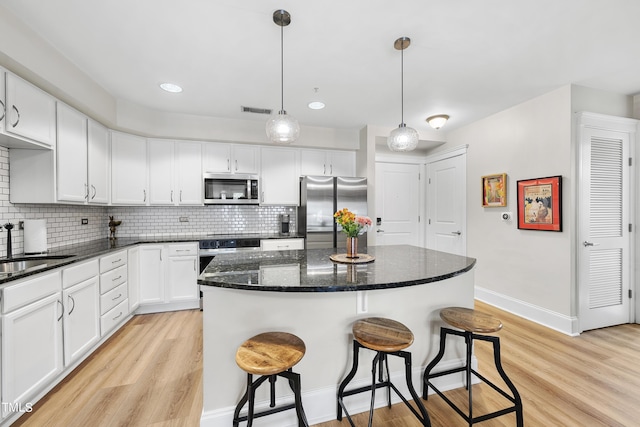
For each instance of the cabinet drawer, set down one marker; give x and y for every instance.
(112, 261)
(281, 244)
(113, 278)
(112, 298)
(116, 315)
(21, 294)
(183, 250)
(79, 273)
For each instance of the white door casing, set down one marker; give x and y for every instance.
(604, 245)
(397, 204)
(446, 205)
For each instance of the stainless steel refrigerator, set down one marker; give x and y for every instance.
(320, 198)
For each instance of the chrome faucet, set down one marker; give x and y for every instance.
(8, 226)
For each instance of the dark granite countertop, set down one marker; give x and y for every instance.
(84, 251)
(312, 270)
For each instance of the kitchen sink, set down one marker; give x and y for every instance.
(16, 265)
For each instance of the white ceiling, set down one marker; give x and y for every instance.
(468, 58)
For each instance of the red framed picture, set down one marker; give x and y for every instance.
(540, 204)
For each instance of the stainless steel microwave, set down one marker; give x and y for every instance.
(231, 189)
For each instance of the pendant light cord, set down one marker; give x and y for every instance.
(402, 84)
(281, 68)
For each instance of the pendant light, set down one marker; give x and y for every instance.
(282, 128)
(403, 138)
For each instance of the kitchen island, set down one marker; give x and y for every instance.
(305, 293)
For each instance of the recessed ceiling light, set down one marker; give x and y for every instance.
(316, 105)
(170, 87)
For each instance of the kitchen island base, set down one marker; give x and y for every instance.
(323, 320)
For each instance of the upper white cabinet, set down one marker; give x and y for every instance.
(280, 176)
(230, 158)
(71, 155)
(98, 163)
(29, 113)
(327, 163)
(128, 169)
(175, 172)
(188, 172)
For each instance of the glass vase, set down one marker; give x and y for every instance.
(352, 247)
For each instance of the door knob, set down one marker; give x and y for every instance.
(457, 233)
(585, 244)
(379, 231)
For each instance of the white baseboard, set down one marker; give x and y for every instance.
(171, 306)
(565, 324)
(320, 405)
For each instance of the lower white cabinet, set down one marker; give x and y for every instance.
(32, 343)
(281, 244)
(133, 279)
(168, 277)
(113, 290)
(81, 319)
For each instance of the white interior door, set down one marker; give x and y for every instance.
(446, 205)
(604, 238)
(397, 204)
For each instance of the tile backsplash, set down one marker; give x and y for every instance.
(64, 221)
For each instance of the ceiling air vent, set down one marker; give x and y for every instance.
(266, 111)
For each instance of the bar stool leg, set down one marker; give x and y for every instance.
(386, 362)
(469, 344)
(294, 381)
(426, 421)
(376, 359)
(516, 396)
(348, 378)
(432, 364)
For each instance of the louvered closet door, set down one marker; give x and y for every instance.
(604, 250)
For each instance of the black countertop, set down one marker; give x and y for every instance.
(87, 250)
(312, 270)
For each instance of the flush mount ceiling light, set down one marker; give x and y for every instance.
(438, 121)
(316, 105)
(282, 128)
(170, 87)
(404, 138)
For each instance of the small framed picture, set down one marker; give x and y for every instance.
(540, 204)
(494, 190)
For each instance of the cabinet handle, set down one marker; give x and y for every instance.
(324, 169)
(180, 196)
(4, 111)
(18, 113)
(228, 165)
(330, 169)
(116, 298)
(118, 260)
(236, 165)
(86, 191)
(73, 307)
(171, 196)
(117, 278)
(94, 192)
(115, 318)
(144, 191)
(61, 305)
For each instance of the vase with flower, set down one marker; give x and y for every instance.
(353, 226)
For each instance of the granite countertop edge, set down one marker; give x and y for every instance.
(86, 250)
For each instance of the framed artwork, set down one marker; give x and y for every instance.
(540, 204)
(494, 190)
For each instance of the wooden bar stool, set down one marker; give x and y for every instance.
(271, 355)
(385, 337)
(473, 323)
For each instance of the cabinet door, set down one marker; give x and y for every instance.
(182, 278)
(71, 155)
(81, 319)
(342, 163)
(98, 163)
(189, 173)
(31, 349)
(280, 177)
(161, 172)
(313, 162)
(151, 274)
(216, 158)
(244, 159)
(133, 278)
(128, 169)
(31, 113)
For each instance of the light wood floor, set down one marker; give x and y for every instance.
(149, 374)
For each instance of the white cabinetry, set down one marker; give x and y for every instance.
(32, 348)
(280, 177)
(281, 244)
(160, 172)
(175, 172)
(30, 114)
(81, 309)
(229, 158)
(168, 277)
(327, 163)
(128, 169)
(98, 163)
(71, 153)
(114, 306)
(188, 172)
(133, 278)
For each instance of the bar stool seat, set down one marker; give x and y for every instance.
(270, 355)
(473, 323)
(385, 337)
